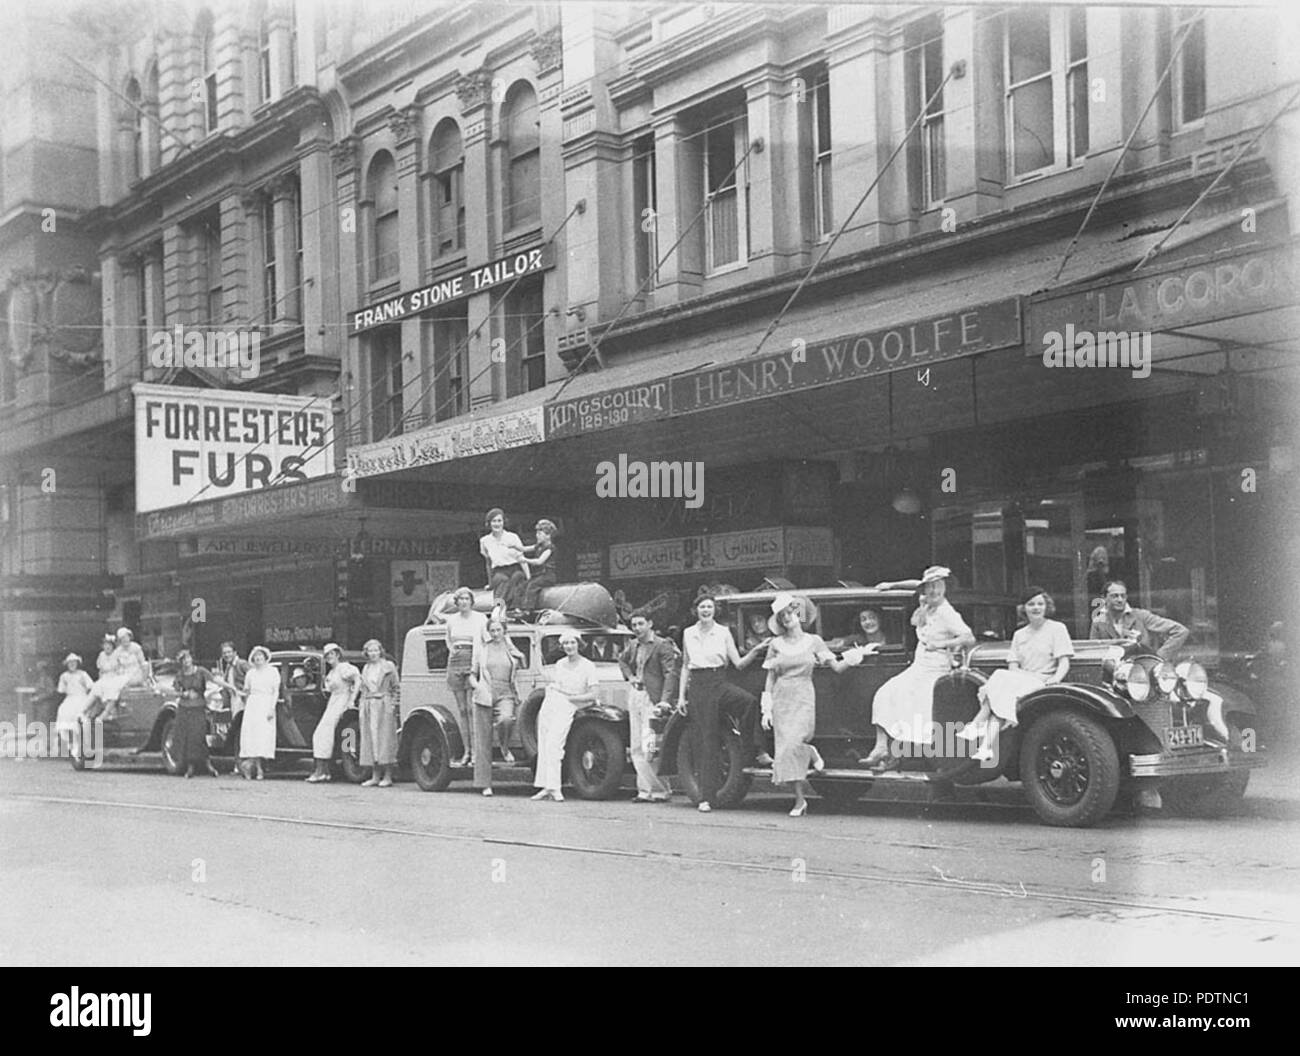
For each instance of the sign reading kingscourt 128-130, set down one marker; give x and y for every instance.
(196, 444)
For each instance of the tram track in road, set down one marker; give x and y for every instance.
(941, 880)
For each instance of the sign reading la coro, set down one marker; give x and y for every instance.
(1171, 297)
(197, 444)
(442, 443)
(452, 288)
(756, 548)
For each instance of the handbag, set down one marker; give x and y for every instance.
(482, 694)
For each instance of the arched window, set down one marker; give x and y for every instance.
(208, 71)
(135, 106)
(381, 188)
(523, 189)
(152, 137)
(447, 208)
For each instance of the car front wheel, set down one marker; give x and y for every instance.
(429, 758)
(594, 759)
(349, 750)
(1070, 769)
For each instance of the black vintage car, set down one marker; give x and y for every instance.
(145, 716)
(1123, 719)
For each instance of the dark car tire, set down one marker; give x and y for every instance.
(735, 782)
(840, 795)
(594, 759)
(1205, 796)
(348, 766)
(1069, 768)
(429, 758)
(526, 726)
(165, 745)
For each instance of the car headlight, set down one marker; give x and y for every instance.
(1166, 678)
(1134, 681)
(1194, 679)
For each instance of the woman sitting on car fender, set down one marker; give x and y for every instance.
(902, 706)
(1040, 656)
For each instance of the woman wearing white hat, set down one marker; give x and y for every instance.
(902, 706)
(257, 731)
(343, 684)
(789, 701)
(75, 685)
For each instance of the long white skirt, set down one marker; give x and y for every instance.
(1004, 689)
(257, 734)
(554, 721)
(109, 687)
(904, 706)
(73, 706)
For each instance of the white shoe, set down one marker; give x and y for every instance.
(971, 731)
(704, 807)
(487, 792)
(983, 755)
(545, 793)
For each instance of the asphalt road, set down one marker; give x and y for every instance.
(122, 867)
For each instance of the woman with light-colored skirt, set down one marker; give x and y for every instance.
(380, 686)
(257, 728)
(573, 685)
(1040, 656)
(75, 685)
(343, 684)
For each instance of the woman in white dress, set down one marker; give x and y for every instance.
(1040, 656)
(573, 684)
(75, 685)
(903, 706)
(343, 684)
(257, 733)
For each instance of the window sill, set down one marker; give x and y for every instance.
(521, 237)
(727, 269)
(453, 261)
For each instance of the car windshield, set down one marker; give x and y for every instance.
(598, 646)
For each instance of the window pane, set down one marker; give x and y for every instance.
(1193, 79)
(525, 187)
(823, 117)
(386, 256)
(1079, 111)
(1078, 33)
(721, 158)
(933, 62)
(1029, 43)
(1032, 130)
(827, 219)
(937, 183)
(724, 227)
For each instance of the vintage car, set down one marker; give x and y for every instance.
(145, 716)
(596, 752)
(1122, 720)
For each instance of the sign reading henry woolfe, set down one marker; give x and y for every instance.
(197, 444)
(442, 443)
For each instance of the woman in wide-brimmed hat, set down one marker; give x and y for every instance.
(903, 706)
(1040, 656)
(789, 701)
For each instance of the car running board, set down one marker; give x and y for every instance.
(855, 774)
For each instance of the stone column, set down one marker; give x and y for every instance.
(547, 51)
(482, 226)
(287, 280)
(320, 280)
(973, 127)
(236, 308)
(680, 197)
(346, 224)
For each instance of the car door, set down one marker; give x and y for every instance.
(298, 709)
(844, 701)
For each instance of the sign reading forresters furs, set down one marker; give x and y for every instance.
(198, 444)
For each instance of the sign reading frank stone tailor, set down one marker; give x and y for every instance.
(197, 444)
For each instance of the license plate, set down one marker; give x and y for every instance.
(1184, 736)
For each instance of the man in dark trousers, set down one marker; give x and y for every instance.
(652, 666)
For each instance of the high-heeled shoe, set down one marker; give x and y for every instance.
(800, 810)
(874, 759)
(971, 731)
(543, 794)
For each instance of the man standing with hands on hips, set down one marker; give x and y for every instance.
(650, 664)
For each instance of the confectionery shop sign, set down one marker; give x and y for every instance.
(777, 547)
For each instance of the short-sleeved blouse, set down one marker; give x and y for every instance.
(575, 679)
(706, 649)
(340, 677)
(794, 658)
(941, 621)
(498, 551)
(75, 683)
(195, 682)
(1037, 651)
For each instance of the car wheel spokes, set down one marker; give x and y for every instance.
(1063, 770)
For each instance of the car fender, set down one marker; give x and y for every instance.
(1092, 699)
(1235, 702)
(438, 716)
(154, 744)
(605, 712)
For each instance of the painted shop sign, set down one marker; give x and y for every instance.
(442, 443)
(303, 634)
(193, 444)
(201, 547)
(452, 288)
(1172, 297)
(979, 328)
(755, 548)
(316, 496)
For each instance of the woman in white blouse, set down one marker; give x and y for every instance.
(573, 685)
(502, 554)
(903, 706)
(707, 649)
(1040, 656)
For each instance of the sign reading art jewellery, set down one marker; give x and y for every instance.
(452, 288)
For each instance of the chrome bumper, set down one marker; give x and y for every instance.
(1208, 760)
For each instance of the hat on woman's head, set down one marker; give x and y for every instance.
(935, 572)
(332, 647)
(70, 657)
(783, 600)
(125, 630)
(259, 649)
